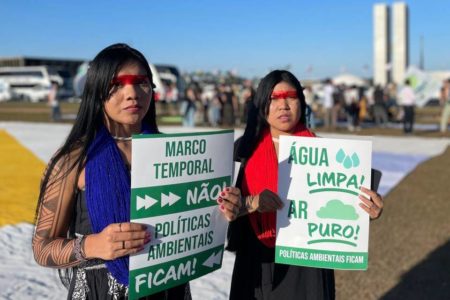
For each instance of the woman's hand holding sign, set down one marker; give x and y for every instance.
(234, 205)
(374, 205)
(229, 201)
(117, 240)
(264, 202)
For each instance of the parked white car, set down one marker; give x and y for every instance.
(80, 81)
(30, 83)
(160, 92)
(171, 74)
(5, 92)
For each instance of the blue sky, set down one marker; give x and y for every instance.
(249, 36)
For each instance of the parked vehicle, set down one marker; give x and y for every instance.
(30, 83)
(5, 92)
(160, 92)
(66, 90)
(80, 80)
(171, 74)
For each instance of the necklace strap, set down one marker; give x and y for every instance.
(121, 138)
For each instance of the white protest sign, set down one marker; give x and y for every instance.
(175, 181)
(321, 224)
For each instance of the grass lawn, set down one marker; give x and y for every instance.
(40, 112)
(33, 112)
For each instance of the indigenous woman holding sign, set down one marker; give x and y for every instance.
(278, 108)
(82, 219)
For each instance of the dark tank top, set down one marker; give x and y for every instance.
(92, 280)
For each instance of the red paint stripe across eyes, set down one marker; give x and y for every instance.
(284, 94)
(130, 79)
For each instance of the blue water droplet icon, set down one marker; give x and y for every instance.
(348, 162)
(355, 159)
(340, 156)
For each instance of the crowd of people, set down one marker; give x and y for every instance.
(330, 107)
(375, 104)
(219, 101)
(216, 104)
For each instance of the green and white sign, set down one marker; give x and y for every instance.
(175, 181)
(321, 224)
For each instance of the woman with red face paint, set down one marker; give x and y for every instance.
(278, 108)
(83, 216)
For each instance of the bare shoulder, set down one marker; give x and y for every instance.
(65, 166)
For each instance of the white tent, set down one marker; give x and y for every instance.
(348, 80)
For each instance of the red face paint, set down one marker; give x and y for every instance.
(283, 94)
(130, 79)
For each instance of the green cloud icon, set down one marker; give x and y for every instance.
(335, 209)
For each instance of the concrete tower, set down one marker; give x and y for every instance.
(381, 44)
(400, 42)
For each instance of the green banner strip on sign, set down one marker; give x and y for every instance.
(174, 198)
(150, 280)
(192, 134)
(321, 258)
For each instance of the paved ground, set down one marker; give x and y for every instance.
(409, 251)
(409, 256)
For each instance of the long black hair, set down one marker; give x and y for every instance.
(259, 110)
(91, 114)
(91, 117)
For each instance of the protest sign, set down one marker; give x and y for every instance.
(321, 224)
(175, 182)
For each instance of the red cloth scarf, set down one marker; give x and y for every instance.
(261, 172)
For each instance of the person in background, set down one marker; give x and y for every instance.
(379, 108)
(53, 102)
(172, 96)
(215, 106)
(311, 107)
(173, 93)
(352, 107)
(363, 108)
(229, 105)
(278, 108)
(189, 107)
(407, 99)
(328, 92)
(445, 103)
(247, 97)
(338, 104)
(391, 102)
(83, 213)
